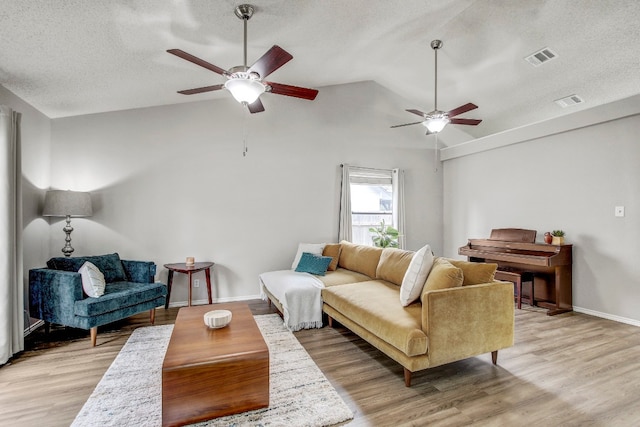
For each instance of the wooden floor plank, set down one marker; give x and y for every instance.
(571, 369)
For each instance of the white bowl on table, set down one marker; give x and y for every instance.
(217, 318)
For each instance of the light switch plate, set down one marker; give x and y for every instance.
(619, 210)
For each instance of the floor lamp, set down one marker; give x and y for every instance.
(67, 204)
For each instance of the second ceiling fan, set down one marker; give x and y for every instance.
(436, 120)
(246, 84)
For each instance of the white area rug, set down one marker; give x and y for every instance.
(129, 394)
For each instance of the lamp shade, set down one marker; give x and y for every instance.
(245, 90)
(63, 203)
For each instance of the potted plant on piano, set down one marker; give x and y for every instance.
(558, 237)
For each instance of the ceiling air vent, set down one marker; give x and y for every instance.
(568, 101)
(540, 57)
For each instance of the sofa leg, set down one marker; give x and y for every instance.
(407, 377)
(47, 327)
(152, 315)
(330, 321)
(494, 357)
(94, 336)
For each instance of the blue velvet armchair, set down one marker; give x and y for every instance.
(56, 293)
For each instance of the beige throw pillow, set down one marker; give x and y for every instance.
(443, 275)
(416, 275)
(333, 250)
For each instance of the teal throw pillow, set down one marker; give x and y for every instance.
(314, 264)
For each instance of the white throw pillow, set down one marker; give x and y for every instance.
(312, 248)
(416, 275)
(92, 280)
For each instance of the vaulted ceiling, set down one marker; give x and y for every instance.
(78, 57)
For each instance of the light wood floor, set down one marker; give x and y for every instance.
(569, 370)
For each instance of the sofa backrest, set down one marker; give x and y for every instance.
(360, 258)
(110, 265)
(393, 265)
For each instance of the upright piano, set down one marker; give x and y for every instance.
(551, 265)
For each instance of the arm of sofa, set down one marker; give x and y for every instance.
(139, 271)
(467, 321)
(52, 294)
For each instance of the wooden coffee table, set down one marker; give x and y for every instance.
(209, 373)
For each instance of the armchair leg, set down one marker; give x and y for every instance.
(407, 377)
(152, 315)
(494, 357)
(94, 336)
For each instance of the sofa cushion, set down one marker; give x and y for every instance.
(359, 258)
(333, 250)
(393, 265)
(443, 275)
(475, 273)
(342, 276)
(93, 282)
(375, 306)
(313, 264)
(110, 265)
(416, 275)
(312, 248)
(118, 295)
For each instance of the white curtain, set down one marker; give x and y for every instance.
(11, 285)
(397, 183)
(344, 224)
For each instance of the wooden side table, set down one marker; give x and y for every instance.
(181, 267)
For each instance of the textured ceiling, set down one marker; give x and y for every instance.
(72, 57)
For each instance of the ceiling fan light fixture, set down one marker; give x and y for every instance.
(245, 89)
(435, 123)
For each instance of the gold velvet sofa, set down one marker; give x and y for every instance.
(461, 312)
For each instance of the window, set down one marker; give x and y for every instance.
(371, 196)
(371, 203)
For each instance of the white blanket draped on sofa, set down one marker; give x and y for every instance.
(299, 295)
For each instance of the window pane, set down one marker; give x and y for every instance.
(370, 204)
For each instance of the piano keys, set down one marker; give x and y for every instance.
(550, 264)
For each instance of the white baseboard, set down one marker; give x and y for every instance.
(608, 316)
(215, 301)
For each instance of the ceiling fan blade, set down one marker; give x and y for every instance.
(273, 59)
(295, 91)
(201, 62)
(472, 122)
(201, 89)
(461, 109)
(418, 112)
(256, 107)
(406, 124)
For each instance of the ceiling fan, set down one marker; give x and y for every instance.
(246, 84)
(436, 120)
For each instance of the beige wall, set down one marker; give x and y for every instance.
(170, 182)
(570, 181)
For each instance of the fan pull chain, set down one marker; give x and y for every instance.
(245, 133)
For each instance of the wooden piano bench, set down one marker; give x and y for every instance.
(518, 277)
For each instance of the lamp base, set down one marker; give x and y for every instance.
(67, 250)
